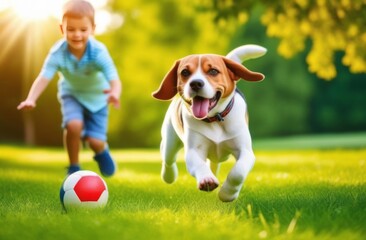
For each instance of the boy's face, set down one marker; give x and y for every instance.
(77, 32)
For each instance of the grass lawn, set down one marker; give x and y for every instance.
(290, 194)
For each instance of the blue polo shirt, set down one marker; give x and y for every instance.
(84, 79)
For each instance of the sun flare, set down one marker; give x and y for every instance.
(31, 19)
(35, 9)
(27, 11)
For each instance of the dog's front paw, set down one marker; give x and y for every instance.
(169, 173)
(229, 193)
(208, 184)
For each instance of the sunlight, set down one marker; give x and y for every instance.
(40, 10)
(30, 17)
(35, 9)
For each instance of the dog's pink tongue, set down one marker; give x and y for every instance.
(200, 107)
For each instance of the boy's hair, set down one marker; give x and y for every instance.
(78, 9)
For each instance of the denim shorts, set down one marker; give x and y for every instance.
(95, 123)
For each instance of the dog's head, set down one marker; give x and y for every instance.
(203, 80)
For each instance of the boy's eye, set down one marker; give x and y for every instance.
(213, 72)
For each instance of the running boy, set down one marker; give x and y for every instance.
(88, 82)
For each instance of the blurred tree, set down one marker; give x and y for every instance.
(331, 26)
(25, 45)
(9, 87)
(339, 105)
(293, 101)
(280, 104)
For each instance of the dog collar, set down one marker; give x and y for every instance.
(220, 116)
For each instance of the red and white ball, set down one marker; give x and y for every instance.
(84, 189)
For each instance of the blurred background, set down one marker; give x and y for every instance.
(315, 65)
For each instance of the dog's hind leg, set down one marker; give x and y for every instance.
(169, 147)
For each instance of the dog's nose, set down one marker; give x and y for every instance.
(196, 84)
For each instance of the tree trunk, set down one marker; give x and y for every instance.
(29, 129)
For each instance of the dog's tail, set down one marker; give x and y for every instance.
(246, 52)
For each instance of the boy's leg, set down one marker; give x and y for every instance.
(96, 135)
(102, 156)
(72, 123)
(96, 145)
(72, 135)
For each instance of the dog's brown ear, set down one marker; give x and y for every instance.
(237, 71)
(168, 87)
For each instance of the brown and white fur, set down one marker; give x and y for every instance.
(206, 85)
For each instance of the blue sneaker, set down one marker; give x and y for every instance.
(105, 162)
(73, 168)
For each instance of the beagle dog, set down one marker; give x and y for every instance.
(208, 117)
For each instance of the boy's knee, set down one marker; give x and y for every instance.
(74, 126)
(96, 144)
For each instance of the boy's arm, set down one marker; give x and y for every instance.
(36, 90)
(114, 92)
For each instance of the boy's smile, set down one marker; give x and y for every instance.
(77, 32)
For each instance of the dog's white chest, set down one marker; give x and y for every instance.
(216, 132)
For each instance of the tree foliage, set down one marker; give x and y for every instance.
(279, 104)
(330, 25)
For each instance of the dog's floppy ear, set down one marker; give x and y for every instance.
(168, 87)
(237, 71)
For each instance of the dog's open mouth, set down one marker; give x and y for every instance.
(201, 106)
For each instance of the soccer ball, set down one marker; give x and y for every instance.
(84, 189)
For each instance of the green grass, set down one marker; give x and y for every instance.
(293, 194)
(321, 141)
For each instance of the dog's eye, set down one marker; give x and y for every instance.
(185, 73)
(213, 72)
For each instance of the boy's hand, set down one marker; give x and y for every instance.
(26, 105)
(113, 98)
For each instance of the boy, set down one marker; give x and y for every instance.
(88, 82)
